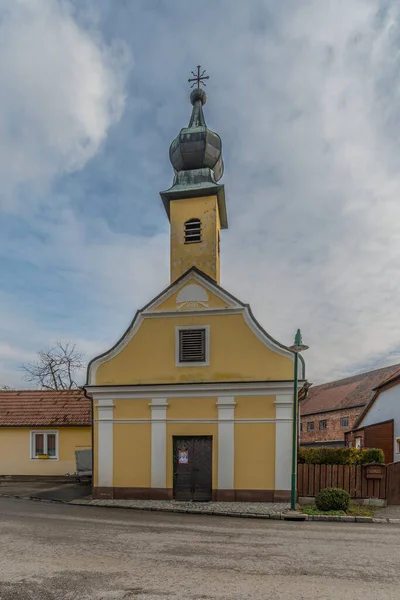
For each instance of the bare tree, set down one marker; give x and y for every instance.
(56, 368)
(6, 388)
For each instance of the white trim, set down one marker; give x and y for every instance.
(183, 282)
(150, 312)
(157, 420)
(193, 390)
(283, 441)
(105, 442)
(226, 442)
(206, 363)
(158, 442)
(200, 312)
(45, 433)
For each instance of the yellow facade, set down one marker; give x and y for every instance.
(236, 354)
(15, 451)
(254, 442)
(241, 407)
(204, 255)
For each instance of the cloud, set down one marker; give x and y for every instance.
(305, 97)
(61, 90)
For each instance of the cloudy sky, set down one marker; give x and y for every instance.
(306, 97)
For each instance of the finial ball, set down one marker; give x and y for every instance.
(198, 94)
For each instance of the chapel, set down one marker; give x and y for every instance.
(195, 401)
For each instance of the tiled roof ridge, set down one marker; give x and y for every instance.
(354, 378)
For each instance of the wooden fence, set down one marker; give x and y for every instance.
(393, 483)
(313, 478)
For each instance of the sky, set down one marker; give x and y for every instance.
(306, 98)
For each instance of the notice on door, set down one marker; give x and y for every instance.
(183, 456)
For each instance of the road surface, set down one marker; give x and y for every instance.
(50, 551)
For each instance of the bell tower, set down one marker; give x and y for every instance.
(195, 204)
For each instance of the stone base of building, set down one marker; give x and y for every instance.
(131, 493)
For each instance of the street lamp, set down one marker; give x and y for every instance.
(297, 347)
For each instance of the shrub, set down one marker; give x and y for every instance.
(340, 456)
(332, 499)
(373, 455)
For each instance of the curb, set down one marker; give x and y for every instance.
(275, 516)
(214, 513)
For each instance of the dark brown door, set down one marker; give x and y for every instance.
(193, 468)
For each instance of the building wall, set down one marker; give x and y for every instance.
(205, 254)
(252, 424)
(334, 432)
(381, 436)
(15, 451)
(385, 408)
(236, 354)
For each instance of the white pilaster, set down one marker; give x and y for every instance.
(105, 442)
(226, 442)
(283, 441)
(159, 442)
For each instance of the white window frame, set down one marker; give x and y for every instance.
(43, 432)
(357, 442)
(206, 363)
(397, 445)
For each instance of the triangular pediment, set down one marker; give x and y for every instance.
(193, 292)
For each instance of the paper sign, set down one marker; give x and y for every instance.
(183, 456)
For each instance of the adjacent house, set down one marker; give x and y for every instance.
(378, 425)
(40, 431)
(330, 410)
(195, 401)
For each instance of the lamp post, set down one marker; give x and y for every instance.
(297, 347)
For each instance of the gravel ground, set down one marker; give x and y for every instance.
(58, 551)
(226, 508)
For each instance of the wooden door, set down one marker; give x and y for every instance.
(193, 468)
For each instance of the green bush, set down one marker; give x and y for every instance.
(332, 499)
(340, 456)
(373, 455)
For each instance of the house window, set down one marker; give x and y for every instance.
(397, 446)
(344, 422)
(301, 427)
(358, 442)
(322, 425)
(310, 426)
(44, 443)
(192, 231)
(193, 346)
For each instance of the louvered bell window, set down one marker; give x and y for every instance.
(192, 345)
(192, 231)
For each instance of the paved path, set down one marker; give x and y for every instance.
(255, 508)
(51, 551)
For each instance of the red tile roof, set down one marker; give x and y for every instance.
(42, 408)
(345, 393)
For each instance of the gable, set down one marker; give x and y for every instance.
(383, 407)
(239, 349)
(236, 354)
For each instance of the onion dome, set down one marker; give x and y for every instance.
(196, 146)
(196, 156)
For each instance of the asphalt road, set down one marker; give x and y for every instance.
(50, 551)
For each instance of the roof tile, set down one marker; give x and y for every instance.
(345, 393)
(43, 408)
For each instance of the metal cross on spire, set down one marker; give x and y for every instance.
(198, 77)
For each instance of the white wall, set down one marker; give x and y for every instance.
(385, 408)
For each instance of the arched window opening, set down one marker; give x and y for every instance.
(192, 231)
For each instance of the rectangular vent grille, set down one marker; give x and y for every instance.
(192, 345)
